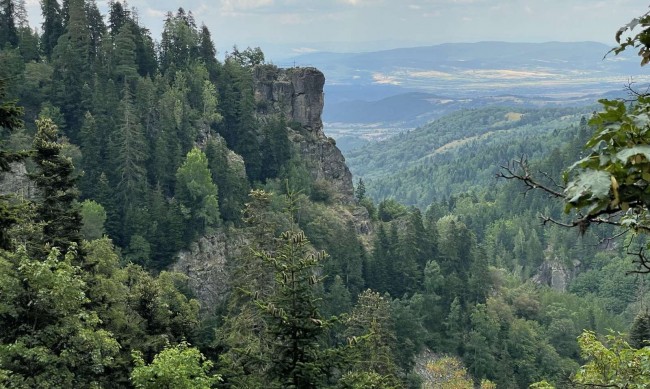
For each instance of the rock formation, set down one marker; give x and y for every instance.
(297, 94)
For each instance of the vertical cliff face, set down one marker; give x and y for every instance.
(297, 95)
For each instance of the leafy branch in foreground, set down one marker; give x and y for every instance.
(611, 185)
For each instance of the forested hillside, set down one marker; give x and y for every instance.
(461, 151)
(171, 220)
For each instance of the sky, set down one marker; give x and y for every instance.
(285, 28)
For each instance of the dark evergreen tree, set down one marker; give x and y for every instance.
(292, 314)
(129, 155)
(640, 330)
(179, 45)
(52, 26)
(360, 190)
(125, 67)
(54, 179)
(208, 53)
(10, 120)
(71, 70)
(8, 30)
(275, 149)
(230, 176)
(238, 126)
(118, 16)
(92, 160)
(96, 28)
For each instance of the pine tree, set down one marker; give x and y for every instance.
(10, 120)
(292, 314)
(129, 154)
(118, 16)
(124, 56)
(54, 179)
(230, 177)
(52, 26)
(371, 332)
(71, 70)
(640, 331)
(197, 193)
(360, 190)
(92, 160)
(208, 53)
(8, 31)
(238, 126)
(96, 28)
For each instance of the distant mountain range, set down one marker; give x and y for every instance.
(401, 85)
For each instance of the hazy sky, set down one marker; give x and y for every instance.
(283, 27)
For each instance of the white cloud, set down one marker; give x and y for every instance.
(384, 79)
(304, 50)
(155, 13)
(229, 6)
(292, 19)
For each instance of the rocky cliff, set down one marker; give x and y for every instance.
(17, 182)
(297, 95)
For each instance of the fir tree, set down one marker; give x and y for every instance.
(54, 179)
(640, 331)
(52, 26)
(8, 30)
(71, 70)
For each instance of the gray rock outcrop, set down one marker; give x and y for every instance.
(297, 95)
(206, 265)
(17, 182)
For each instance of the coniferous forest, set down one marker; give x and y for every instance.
(170, 220)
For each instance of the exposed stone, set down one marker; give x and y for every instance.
(297, 94)
(206, 265)
(554, 274)
(17, 182)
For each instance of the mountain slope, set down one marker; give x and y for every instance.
(460, 151)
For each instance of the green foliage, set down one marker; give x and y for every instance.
(51, 339)
(612, 176)
(93, 217)
(177, 367)
(292, 314)
(639, 336)
(364, 379)
(54, 178)
(390, 209)
(247, 58)
(360, 190)
(460, 152)
(196, 191)
(641, 40)
(612, 364)
(371, 331)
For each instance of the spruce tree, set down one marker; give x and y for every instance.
(124, 56)
(640, 331)
(54, 179)
(8, 31)
(10, 120)
(52, 26)
(129, 154)
(71, 70)
(292, 313)
(197, 193)
(96, 28)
